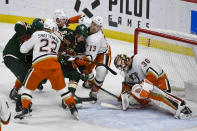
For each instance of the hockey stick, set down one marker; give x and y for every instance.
(104, 90)
(108, 105)
(83, 99)
(101, 64)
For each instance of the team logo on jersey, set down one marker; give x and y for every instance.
(86, 11)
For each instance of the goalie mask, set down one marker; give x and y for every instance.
(121, 62)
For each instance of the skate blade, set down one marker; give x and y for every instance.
(75, 115)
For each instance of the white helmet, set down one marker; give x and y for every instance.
(98, 20)
(59, 13)
(85, 20)
(50, 24)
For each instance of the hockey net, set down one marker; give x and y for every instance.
(175, 52)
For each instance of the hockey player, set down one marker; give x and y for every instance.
(62, 20)
(45, 45)
(73, 45)
(5, 113)
(19, 63)
(97, 50)
(144, 83)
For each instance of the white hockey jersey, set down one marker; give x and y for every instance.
(5, 113)
(44, 44)
(140, 67)
(96, 44)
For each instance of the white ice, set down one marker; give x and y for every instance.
(49, 115)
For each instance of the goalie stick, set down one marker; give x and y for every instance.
(110, 106)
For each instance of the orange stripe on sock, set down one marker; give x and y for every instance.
(26, 103)
(69, 100)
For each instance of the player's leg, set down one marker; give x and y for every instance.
(162, 99)
(169, 102)
(34, 77)
(19, 69)
(87, 84)
(101, 73)
(57, 81)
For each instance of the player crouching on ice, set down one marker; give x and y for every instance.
(45, 45)
(146, 83)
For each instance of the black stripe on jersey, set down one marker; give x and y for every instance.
(150, 68)
(42, 56)
(65, 94)
(25, 94)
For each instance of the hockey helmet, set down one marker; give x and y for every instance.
(50, 24)
(121, 62)
(59, 14)
(82, 30)
(98, 20)
(37, 24)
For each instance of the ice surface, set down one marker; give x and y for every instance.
(48, 115)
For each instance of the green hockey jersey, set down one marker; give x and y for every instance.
(22, 33)
(69, 44)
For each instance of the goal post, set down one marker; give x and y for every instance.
(174, 51)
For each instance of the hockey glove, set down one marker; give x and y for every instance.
(63, 59)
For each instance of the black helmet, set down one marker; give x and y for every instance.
(37, 24)
(82, 30)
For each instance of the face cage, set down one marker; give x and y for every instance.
(123, 65)
(60, 21)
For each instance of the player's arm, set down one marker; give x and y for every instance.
(21, 30)
(5, 113)
(74, 19)
(28, 45)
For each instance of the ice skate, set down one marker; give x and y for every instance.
(23, 114)
(183, 112)
(74, 111)
(93, 95)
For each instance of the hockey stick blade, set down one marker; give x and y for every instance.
(110, 106)
(84, 99)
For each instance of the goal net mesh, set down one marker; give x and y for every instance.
(175, 52)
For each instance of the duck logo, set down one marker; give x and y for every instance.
(86, 11)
